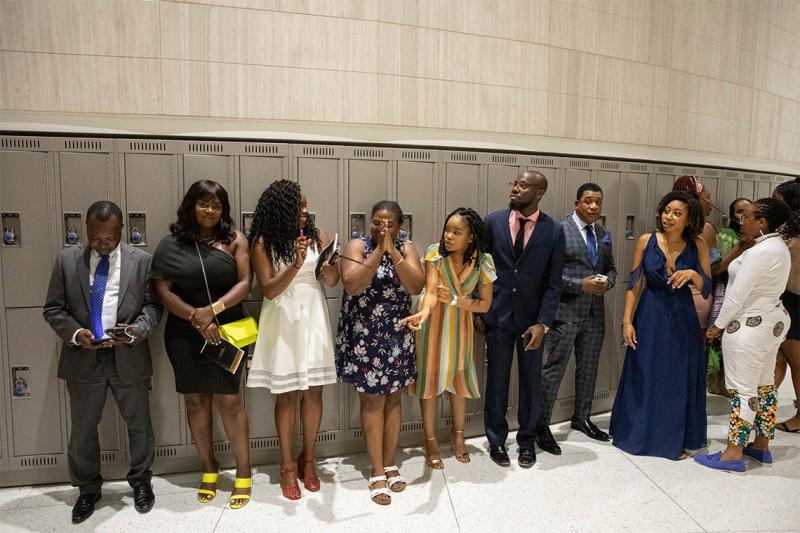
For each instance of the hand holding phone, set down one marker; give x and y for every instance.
(116, 331)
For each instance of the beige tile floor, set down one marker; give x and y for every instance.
(591, 487)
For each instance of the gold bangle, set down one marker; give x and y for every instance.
(218, 307)
(297, 267)
(402, 258)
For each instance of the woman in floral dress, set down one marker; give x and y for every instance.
(374, 352)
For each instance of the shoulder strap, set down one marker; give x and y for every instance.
(205, 279)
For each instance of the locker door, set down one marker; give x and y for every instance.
(36, 421)
(728, 192)
(462, 186)
(151, 202)
(217, 168)
(256, 173)
(747, 189)
(713, 186)
(763, 187)
(24, 202)
(367, 183)
(84, 178)
(320, 178)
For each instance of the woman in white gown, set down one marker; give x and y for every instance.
(293, 355)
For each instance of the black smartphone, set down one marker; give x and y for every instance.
(98, 341)
(115, 331)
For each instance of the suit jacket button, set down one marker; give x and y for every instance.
(514, 289)
(515, 271)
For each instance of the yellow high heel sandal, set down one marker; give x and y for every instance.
(206, 495)
(241, 483)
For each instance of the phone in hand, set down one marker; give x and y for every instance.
(600, 278)
(526, 338)
(118, 330)
(98, 341)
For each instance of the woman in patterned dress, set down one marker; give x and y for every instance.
(454, 268)
(755, 322)
(373, 351)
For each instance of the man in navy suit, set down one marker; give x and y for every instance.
(528, 251)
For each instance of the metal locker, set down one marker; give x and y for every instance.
(150, 183)
(498, 188)
(27, 207)
(747, 186)
(711, 182)
(208, 161)
(417, 195)
(37, 420)
(763, 186)
(319, 172)
(728, 192)
(461, 186)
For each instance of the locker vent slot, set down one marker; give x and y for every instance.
(260, 149)
(260, 444)
(222, 447)
(689, 171)
(10, 142)
(411, 426)
(205, 147)
(148, 147)
(602, 395)
(415, 155)
(463, 157)
(765, 177)
(317, 150)
(36, 462)
(359, 433)
(108, 457)
(732, 174)
(667, 170)
(82, 145)
(577, 163)
(609, 166)
(542, 161)
(710, 173)
(504, 159)
(166, 452)
(638, 168)
(365, 152)
(750, 176)
(328, 436)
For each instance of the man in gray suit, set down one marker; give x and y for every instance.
(100, 305)
(580, 320)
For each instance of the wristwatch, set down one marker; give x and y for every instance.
(546, 328)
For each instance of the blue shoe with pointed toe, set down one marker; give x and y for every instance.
(713, 461)
(759, 455)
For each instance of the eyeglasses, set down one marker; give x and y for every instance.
(742, 218)
(521, 185)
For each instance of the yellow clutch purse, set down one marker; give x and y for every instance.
(240, 333)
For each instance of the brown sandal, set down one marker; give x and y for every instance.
(462, 458)
(434, 462)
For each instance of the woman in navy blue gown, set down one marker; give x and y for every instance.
(660, 408)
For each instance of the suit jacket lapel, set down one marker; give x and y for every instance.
(507, 234)
(125, 271)
(578, 236)
(82, 268)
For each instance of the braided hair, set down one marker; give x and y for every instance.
(694, 219)
(276, 221)
(775, 212)
(790, 192)
(475, 223)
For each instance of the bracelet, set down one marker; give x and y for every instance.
(297, 267)
(454, 301)
(402, 258)
(218, 307)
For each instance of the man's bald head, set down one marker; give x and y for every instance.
(526, 191)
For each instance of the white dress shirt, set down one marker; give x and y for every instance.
(756, 280)
(582, 228)
(111, 295)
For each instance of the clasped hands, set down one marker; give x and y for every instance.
(202, 319)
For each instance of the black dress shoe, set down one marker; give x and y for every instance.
(527, 456)
(589, 429)
(499, 454)
(84, 507)
(143, 497)
(545, 440)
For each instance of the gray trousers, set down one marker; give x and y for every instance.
(86, 402)
(586, 338)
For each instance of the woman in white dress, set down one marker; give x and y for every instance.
(293, 356)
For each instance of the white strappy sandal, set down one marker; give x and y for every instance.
(373, 493)
(394, 480)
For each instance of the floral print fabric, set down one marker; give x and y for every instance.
(372, 352)
(766, 406)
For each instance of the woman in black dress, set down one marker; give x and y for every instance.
(204, 227)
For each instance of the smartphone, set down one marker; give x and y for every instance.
(98, 341)
(600, 277)
(115, 331)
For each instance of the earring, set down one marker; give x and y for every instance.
(761, 232)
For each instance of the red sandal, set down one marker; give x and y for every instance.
(290, 493)
(310, 482)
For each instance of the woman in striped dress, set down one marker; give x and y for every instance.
(454, 269)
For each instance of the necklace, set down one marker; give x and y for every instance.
(208, 241)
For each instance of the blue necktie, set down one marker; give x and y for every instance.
(96, 294)
(591, 244)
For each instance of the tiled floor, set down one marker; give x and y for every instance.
(591, 487)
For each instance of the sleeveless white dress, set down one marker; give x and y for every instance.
(294, 350)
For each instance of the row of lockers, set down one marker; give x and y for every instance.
(46, 184)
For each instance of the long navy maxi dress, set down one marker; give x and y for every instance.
(660, 408)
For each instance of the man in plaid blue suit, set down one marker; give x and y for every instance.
(580, 320)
